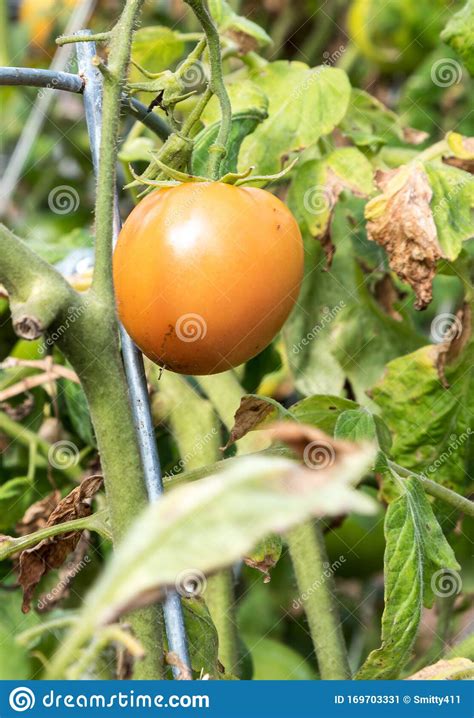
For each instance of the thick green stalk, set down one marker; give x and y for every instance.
(316, 594)
(196, 431)
(219, 149)
(220, 600)
(42, 301)
(114, 79)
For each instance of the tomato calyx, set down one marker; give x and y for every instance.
(175, 177)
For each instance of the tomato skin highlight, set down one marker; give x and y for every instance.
(206, 274)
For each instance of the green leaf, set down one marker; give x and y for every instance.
(72, 397)
(305, 104)
(459, 33)
(265, 363)
(136, 149)
(275, 661)
(416, 550)
(369, 123)
(155, 49)
(452, 205)
(202, 637)
(265, 555)
(317, 185)
(244, 95)
(360, 425)
(254, 497)
(228, 21)
(15, 663)
(15, 497)
(431, 423)
(243, 124)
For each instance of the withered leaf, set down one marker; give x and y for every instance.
(452, 669)
(461, 152)
(172, 659)
(317, 449)
(36, 516)
(253, 410)
(68, 572)
(51, 553)
(401, 221)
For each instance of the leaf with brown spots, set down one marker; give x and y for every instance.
(401, 221)
(51, 553)
(253, 412)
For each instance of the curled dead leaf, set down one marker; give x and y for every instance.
(51, 553)
(401, 220)
(36, 516)
(252, 412)
(445, 670)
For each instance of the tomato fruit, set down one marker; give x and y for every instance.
(206, 274)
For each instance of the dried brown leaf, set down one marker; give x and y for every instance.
(251, 412)
(401, 221)
(172, 659)
(36, 516)
(51, 553)
(445, 670)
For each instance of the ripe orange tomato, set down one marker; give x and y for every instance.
(206, 274)
(43, 18)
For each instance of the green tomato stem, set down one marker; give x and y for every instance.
(219, 149)
(316, 595)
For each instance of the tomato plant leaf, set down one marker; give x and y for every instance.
(155, 49)
(304, 105)
(431, 422)
(15, 496)
(202, 637)
(369, 123)
(317, 185)
(459, 33)
(422, 216)
(454, 669)
(265, 555)
(415, 548)
(252, 498)
(362, 425)
(243, 124)
(245, 32)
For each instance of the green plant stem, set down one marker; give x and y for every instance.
(28, 438)
(316, 592)
(219, 149)
(220, 600)
(119, 58)
(438, 491)
(41, 300)
(72, 39)
(96, 522)
(196, 430)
